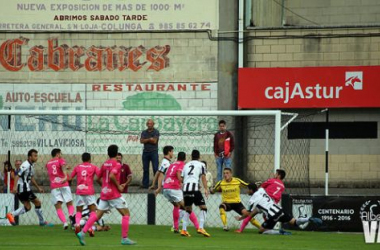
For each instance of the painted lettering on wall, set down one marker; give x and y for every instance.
(137, 87)
(179, 125)
(95, 58)
(43, 97)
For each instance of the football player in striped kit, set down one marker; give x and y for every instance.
(24, 192)
(192, 173)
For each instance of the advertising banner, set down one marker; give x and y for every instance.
(309, 87)
(339, 213)
(111, 15)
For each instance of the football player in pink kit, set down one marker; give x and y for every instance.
(60, 189)
(85, 173)
(274, 187)
(110, 197)
(173, 190)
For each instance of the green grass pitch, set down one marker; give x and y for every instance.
(160, 237)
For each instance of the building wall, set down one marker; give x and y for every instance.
(159, 71)
(331, 12)
(352, 162)
(276, 13)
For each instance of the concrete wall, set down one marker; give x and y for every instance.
(301, 52)
(314, 13)
(331, 12)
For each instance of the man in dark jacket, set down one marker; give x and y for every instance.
(223, 146)
(150, 139)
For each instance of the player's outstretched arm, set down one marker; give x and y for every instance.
(179, 176)
(65, 170)
(204, 183)
(216, 188)
(36, 185)
(14, 190)
(158, 190)
(72, 175)
(116, 182)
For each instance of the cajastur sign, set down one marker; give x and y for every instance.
(309, 87)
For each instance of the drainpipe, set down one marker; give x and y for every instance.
(241, 34)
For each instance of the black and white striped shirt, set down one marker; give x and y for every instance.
(25, 175)
(164, 165)
(191, 174)
(265, 204)
(86, 214)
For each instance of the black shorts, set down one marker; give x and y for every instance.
(237, 207)
(194, 197)
(26, 196)
(271, 221)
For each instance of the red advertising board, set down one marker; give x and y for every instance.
(309, 87)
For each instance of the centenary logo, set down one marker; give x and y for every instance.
(302, 209)
(370, 216)
(298, 91)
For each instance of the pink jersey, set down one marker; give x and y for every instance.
(55, 172)
(274, 188)
(171, 180)
(109, 190)
(85, 173)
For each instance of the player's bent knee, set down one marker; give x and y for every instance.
(223, 206)
(123, 211)
(176, 204)
(91, 207)
(36, 203)
(245, 212)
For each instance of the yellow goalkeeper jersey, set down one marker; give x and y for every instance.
(230, 190)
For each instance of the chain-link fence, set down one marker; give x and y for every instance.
(76, 134)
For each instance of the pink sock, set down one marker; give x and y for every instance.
(93, 218)
(245, 223)
(176, 217)
(125, 226)
(61, 215)
(78, 216)
(71, 209)
(194, 220)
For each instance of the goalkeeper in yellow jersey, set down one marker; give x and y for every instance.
(230, 188)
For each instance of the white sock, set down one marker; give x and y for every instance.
(19, 211)
(271, 232)
(202, 218)
(185, 221)
(301, 221)
(181, 214)
(39, 214)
